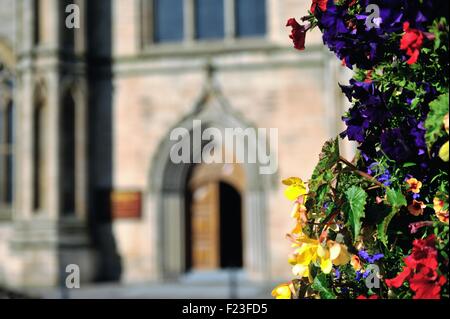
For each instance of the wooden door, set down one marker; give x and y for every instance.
(205, 227)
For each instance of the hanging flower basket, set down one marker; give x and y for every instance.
(377, 226)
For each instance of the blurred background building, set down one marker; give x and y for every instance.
(85, 121)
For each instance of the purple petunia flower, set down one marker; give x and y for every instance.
(395, 145)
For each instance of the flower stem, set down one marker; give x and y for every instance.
(360, 173)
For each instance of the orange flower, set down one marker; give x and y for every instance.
(356, 262)
(414, 185)
(416, 208)
(439, 210)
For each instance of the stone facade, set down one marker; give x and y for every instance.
(127, 95)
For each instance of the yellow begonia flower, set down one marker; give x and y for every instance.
(326, 264)
(299, 213)
(324, 255)
(296, 187)
(307, 253)
(282, 291)
(443, 152)
(339, 254)
(292, 259)
(300, 270)
(297, 230)
(332, 254)
(295, 212)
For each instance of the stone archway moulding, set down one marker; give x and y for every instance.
(166, 203)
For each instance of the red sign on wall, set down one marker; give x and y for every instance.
(126, 204)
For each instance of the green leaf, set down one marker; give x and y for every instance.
(383, 226)
(322, 192)
(354, 208)
(434, 122)
(396, 198)
(397, 201)
(320, 285)
(329, 155)
(323, 175)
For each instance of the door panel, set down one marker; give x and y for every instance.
(205, 228)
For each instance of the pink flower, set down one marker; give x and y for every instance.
(414, 227)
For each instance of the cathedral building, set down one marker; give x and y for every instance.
(86, 115)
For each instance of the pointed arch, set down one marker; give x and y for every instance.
(39, 145)
(72, 123)
(67, 148)
(168, 187)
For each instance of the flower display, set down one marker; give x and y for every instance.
(376, 226)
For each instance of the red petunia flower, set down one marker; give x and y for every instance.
(398, 281)
(298, 34)
(420, 271)
(427, 284)
(412, 42)
(423, 253)
(322, 4)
